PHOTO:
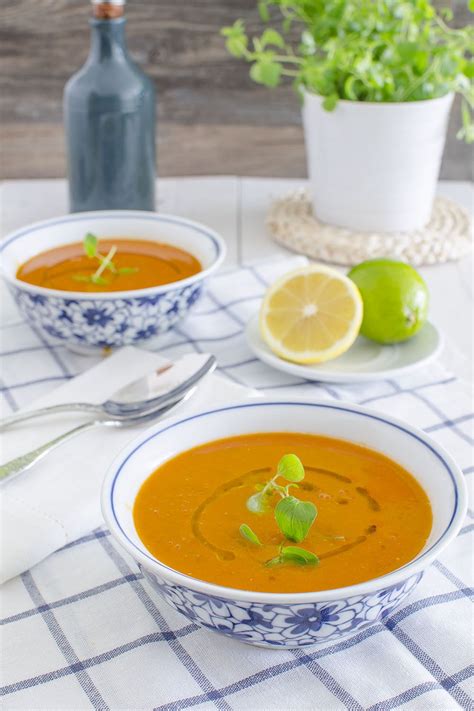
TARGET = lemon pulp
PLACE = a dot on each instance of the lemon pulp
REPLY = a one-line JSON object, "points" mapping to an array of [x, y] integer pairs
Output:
{"points": [[311, 315]]}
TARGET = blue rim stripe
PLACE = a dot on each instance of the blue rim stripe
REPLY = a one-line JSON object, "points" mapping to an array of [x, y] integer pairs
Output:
{"points": [[282, 403], [113, 214]]}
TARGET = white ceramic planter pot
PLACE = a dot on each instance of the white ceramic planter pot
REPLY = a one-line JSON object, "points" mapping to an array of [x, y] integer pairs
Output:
{"points": [[374, 167]]}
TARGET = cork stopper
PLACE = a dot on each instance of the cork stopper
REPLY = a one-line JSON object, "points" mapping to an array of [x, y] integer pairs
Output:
{"points": [[107, 9]]}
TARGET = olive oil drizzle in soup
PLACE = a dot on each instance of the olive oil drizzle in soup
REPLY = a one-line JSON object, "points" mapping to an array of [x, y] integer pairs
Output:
{"points": [[150, 264], [373, 517]]}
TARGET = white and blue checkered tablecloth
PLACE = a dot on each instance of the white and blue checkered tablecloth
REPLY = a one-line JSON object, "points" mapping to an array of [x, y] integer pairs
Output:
{"points": [[82, 629]]}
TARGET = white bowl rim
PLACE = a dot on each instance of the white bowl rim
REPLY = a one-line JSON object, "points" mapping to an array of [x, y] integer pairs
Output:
{"points": [[216, 239], [413, 567]]}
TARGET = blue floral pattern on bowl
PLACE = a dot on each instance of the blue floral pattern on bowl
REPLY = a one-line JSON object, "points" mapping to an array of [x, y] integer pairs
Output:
{"points": [[106, 323], [283, 625]]}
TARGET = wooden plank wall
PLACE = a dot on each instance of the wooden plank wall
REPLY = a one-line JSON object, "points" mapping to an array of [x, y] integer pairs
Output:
{"points": [[212, 118]]}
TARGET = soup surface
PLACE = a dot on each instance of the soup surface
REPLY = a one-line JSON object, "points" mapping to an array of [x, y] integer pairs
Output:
{"points": [[373, 517], [139, 264]]}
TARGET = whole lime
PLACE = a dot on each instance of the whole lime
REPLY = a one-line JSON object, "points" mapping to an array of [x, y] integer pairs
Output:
{"points": [[395, 299]]}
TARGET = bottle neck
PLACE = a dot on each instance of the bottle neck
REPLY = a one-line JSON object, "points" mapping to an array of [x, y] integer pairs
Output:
{"points": [[108, 40]]}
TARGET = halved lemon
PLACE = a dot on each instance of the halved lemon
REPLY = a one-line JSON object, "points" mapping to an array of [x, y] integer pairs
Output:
{"points": [[311, 315]]}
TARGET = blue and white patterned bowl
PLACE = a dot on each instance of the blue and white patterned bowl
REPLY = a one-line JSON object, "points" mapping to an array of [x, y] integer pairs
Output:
{"points": [[286, 620], [91, 321]]}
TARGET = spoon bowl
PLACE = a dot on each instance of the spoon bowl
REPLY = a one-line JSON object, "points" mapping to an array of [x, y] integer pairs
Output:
{"points": [[144, 411], [146, 394]]}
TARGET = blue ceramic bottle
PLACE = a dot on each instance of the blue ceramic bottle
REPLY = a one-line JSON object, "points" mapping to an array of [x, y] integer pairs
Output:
{"points": [[109, 114]]}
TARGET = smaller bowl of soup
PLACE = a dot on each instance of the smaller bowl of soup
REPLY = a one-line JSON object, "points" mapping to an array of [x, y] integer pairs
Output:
{"points": [[284, 523], [107, 279]]}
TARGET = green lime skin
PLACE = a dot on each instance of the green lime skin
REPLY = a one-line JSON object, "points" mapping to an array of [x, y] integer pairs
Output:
{"points": [[395, 299]]}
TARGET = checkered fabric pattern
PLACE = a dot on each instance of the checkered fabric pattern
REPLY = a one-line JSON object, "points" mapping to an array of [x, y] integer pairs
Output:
{"points": [[84, 630]]}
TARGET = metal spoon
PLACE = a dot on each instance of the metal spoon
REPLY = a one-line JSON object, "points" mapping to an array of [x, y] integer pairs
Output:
{"points": [[132, 399], [25, 461]]}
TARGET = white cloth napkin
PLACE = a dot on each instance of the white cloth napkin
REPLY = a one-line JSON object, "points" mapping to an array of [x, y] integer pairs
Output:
{"points": [[58, 499]]}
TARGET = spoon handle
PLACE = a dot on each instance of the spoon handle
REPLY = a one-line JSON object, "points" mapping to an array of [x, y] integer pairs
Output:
{"points": [[25, 461], [51, 410]]}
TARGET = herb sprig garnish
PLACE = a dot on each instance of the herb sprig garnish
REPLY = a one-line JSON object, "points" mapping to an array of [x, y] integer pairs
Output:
{"points": [[91, 250], [293, 517], [290, 468]]}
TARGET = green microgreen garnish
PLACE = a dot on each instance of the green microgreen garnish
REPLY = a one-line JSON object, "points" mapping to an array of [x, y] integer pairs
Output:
{"points": [[293, 554], [293, 516], [247, 533], [91, 249]]}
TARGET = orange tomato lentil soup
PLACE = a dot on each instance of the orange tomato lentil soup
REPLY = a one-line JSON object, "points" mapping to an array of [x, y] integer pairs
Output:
{"points": [[373, 517], [146, 264]]}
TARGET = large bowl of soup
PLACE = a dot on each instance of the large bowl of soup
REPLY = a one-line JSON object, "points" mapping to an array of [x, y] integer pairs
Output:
{"points": [[155, 269], [388, 501]]}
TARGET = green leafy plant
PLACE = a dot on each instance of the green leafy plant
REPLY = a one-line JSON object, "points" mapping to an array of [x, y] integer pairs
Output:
{"points": [[361, 50], [294, 518], [91, 249]]}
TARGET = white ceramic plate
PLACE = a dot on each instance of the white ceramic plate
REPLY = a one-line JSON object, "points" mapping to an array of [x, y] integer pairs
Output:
{"points": [[364, 361]]}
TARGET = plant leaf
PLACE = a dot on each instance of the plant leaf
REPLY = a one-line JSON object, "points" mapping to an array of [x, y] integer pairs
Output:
{"points": [[258, 503], [236, 39], [468, 68], [236, 46], [111, 267], [127, 270], [307, 40], [272, 37], [81, 277], [293, 554], [263, 11], [247, 533], [295, 517], [274, 561], [407, 50], [446, 13], [267, 72], [287, 23], [330, 102], [90, 245], [99, 280], [291, 468]]}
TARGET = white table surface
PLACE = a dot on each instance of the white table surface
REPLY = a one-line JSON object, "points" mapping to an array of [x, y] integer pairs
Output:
{"points": [[236, 208]]}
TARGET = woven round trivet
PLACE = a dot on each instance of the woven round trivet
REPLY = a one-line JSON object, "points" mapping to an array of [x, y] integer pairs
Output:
{"points": [[446, 237]]}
